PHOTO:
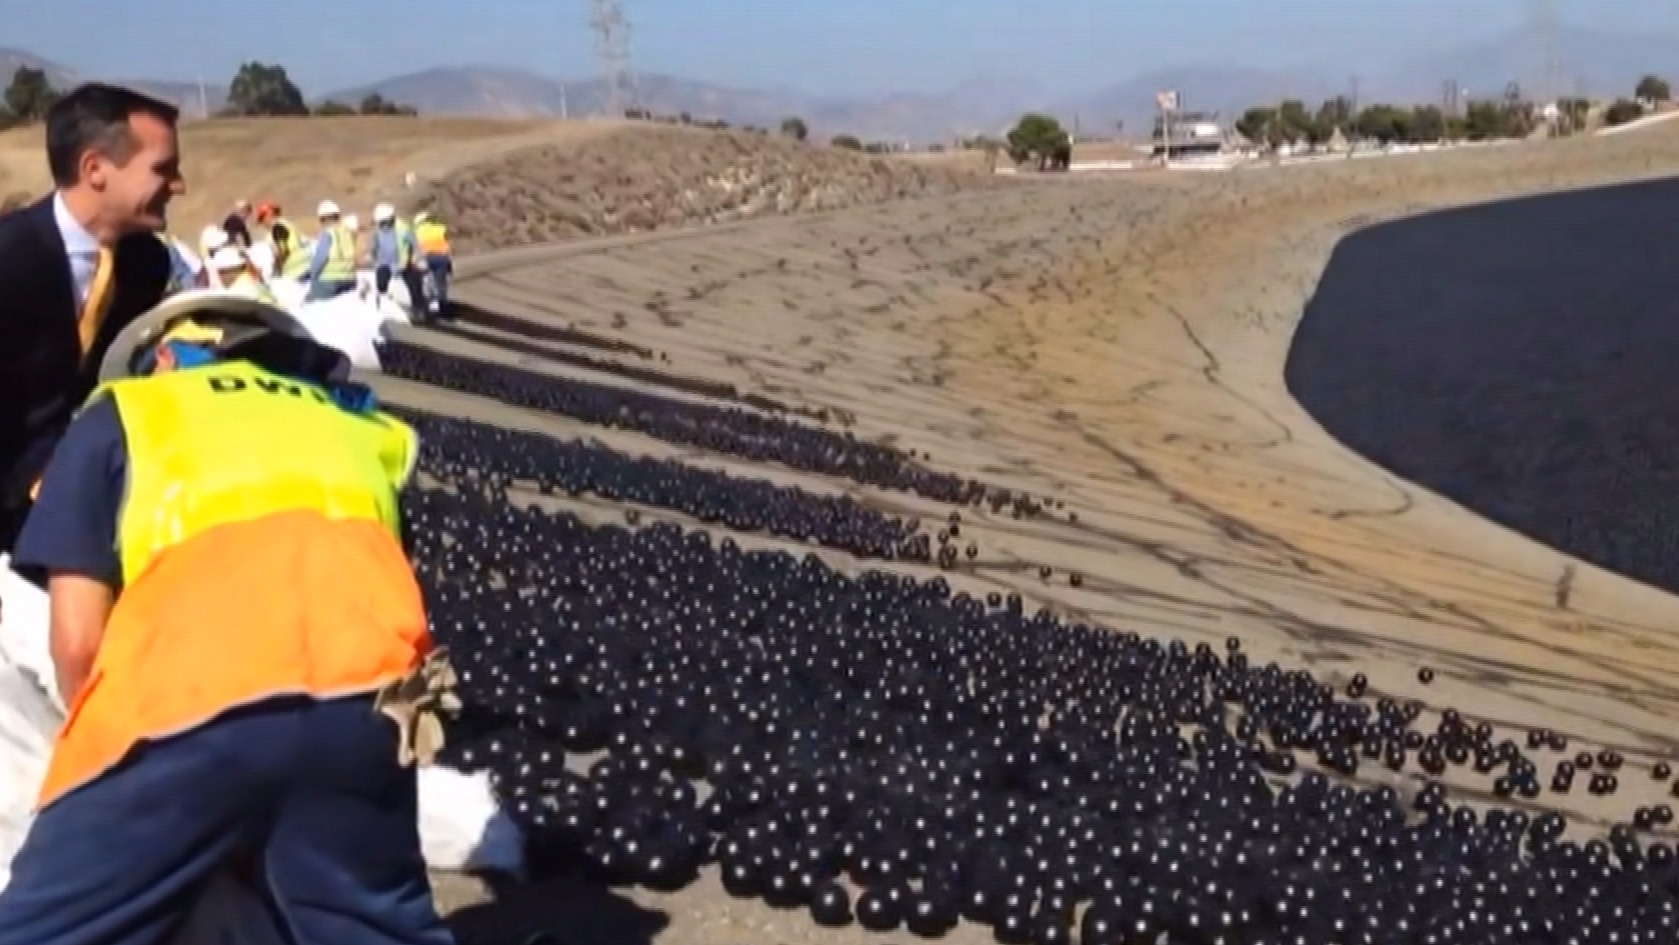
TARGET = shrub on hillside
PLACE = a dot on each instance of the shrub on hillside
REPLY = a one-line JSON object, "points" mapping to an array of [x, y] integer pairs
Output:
{"points": [[1622, 112]]}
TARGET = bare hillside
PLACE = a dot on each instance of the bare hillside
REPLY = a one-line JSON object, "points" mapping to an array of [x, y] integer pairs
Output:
{"points": [[637, 179], [547, 179]]}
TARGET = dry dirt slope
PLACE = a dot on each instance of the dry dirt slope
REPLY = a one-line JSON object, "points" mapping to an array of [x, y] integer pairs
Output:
{"points": [[507, 182], [1118, 345]]}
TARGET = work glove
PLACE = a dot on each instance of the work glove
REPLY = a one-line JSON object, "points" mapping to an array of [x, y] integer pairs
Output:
{"points": [[417, 703]]}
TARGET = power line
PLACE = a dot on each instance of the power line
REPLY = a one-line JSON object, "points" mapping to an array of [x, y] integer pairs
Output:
{"points": [[612, 47]]}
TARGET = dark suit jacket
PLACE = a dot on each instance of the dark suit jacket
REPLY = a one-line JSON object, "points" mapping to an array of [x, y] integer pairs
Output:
{"points": [[43, 377]]}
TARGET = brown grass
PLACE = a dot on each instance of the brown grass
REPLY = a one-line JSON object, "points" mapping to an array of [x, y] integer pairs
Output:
{"points": [[356, 161], [299, 161]]}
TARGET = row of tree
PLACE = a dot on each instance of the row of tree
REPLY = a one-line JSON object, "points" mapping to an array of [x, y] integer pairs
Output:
{"points": [[1292, 123], [262, 89], [794, 127], [258, 89]]}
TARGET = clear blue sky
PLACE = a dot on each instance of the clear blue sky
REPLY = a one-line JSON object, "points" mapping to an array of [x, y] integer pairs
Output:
{"points": [[829, 47]]}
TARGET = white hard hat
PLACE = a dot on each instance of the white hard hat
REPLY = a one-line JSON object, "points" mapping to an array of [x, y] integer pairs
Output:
{"points": [[213, 238], [421, 217], [384, 213], [227, 257], [326, 208], [352, 222]]}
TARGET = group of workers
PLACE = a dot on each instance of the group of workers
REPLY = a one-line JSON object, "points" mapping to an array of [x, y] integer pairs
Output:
{"points": [[417, 252], [211, 505]]}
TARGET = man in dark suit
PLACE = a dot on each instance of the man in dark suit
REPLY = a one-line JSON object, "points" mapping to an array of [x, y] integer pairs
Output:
{"points": [[76, 267]]}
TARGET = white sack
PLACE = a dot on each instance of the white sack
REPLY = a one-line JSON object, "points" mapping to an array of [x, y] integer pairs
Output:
{"points": [[347, 323], [228, 910], [29, 720], [461, 826], [23, 633], [27, 724], [352, 322], [261, 254]]}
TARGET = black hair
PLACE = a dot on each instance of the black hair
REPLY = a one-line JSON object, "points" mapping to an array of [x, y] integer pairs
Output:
{"points": [[95, 115]]}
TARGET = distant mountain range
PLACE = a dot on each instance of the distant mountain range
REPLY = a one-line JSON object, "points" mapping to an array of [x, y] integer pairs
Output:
{"points": [[185, 95], [982, 106], [1595, 63]]}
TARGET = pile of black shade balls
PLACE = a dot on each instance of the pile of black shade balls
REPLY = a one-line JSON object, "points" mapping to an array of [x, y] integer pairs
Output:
{"points": [[455, 448], [731, 430], [878, 750], [523, 331]]}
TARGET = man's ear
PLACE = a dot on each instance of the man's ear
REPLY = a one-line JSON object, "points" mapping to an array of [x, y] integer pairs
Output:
{"points": [[91, 169], [165, 359]]}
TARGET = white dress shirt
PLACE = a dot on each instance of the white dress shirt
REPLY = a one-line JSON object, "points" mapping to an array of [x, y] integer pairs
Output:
{"points": [[79, 246]]}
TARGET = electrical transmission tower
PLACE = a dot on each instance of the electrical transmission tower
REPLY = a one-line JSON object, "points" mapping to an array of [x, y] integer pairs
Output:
{"points": [[1547, 75], [612, 47]]}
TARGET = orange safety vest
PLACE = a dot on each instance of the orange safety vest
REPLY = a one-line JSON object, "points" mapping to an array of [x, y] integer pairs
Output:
{"points": [[260, 550], [433, 238]]}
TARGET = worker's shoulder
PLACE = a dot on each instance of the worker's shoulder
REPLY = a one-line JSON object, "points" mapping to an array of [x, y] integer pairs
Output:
{"points": [[112, 389], [96, 430]]}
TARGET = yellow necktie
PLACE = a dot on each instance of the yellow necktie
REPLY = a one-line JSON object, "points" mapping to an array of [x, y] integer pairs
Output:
{"points": [[97, 301]]}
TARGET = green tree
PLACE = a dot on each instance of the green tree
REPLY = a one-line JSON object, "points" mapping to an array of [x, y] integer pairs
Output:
{"points": [[1653, 88], [794, 128], [1259, 125], [330, 109], [262, 89], [1622, 112], [1296, 122], [1334, 114], [1485, 121], [1387, 124], [30, 95], [1428, 124], [1037, 137], [848, 142], [1572, 114], [376, 104]]}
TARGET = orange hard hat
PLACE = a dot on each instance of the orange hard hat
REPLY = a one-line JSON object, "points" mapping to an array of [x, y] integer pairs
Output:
{"points": [[265, 211]]}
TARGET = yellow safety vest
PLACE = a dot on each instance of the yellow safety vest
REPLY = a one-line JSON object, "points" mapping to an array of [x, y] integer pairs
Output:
{"points": [[341, 258], [296, 264], [202, 452], [433, 238], [404, 243], [252, 569]]}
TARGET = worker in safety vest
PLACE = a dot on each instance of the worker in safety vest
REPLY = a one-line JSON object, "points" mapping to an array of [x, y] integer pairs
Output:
{"points": [[332, 271], [290, 250], [432, 235], [235, 271], [239, 637], [395, 253]]}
